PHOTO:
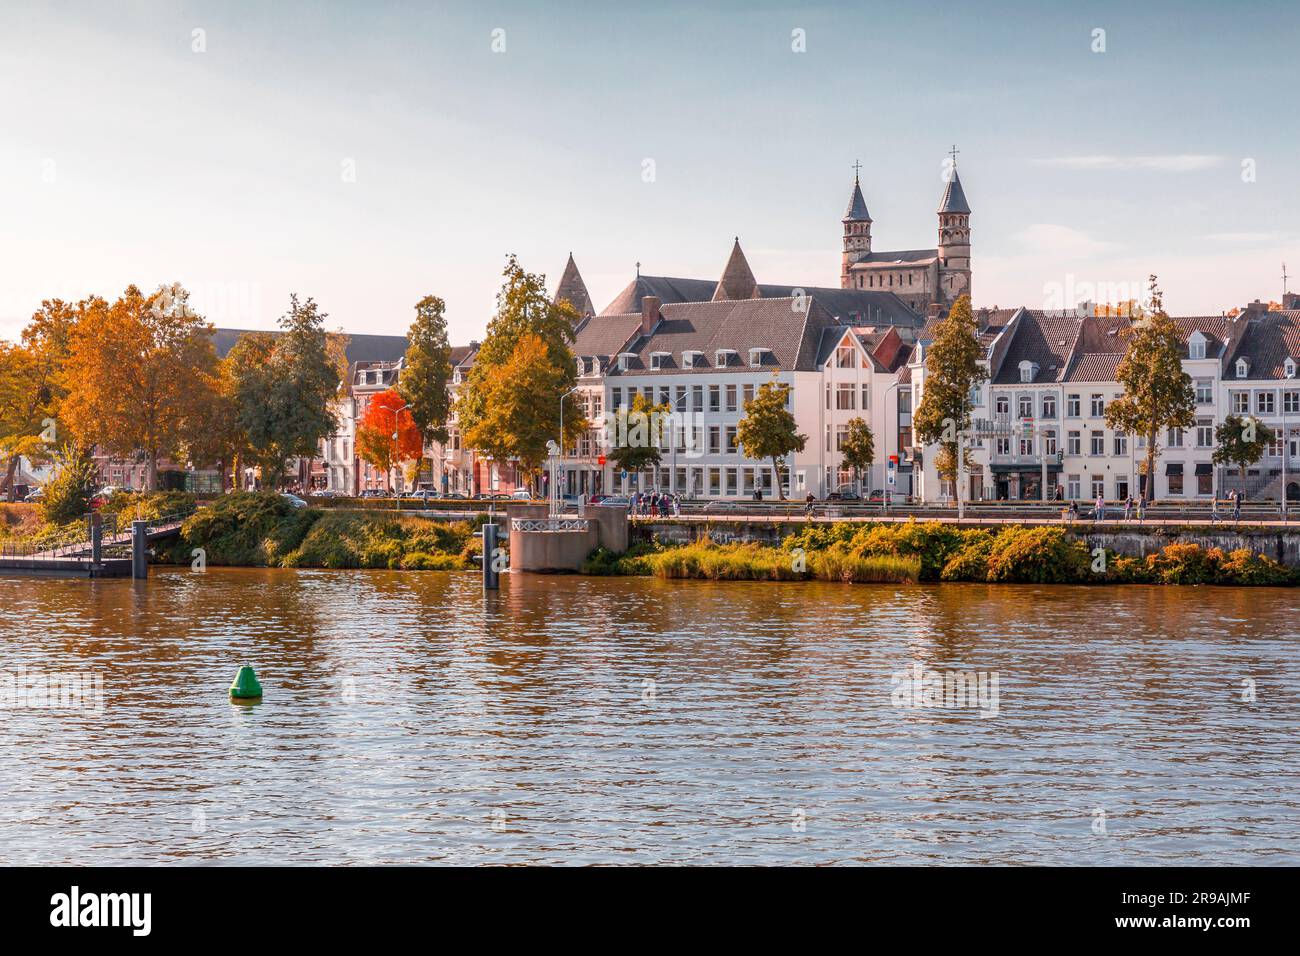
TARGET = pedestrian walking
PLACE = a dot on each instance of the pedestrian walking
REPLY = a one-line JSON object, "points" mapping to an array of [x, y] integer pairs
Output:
{"points": [[1128, 507], [1214, 510], [1099, 509], [1236, 506]]}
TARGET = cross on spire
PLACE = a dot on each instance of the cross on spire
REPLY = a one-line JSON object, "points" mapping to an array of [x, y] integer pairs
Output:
{"points": [[953, 153], [1284, 278], [856, 166]]}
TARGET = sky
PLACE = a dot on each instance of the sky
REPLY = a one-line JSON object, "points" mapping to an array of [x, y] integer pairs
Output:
{"points": [[367, 154]]}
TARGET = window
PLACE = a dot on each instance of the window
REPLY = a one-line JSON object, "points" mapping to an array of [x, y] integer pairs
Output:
{"points": [[1002, 405], [616, 401], [1175, 438], [1265, 402], [715, 440], [845, 396], [1204, 391], [1002, 446], [1072, 487], [866, 397], [1291, 402], [828, 396], [1175, 483], [904, 401], [715, 398], [1098, 486], [1073, 444], [976, 396], [1049, 406], [1098, 446], [729, 439], [846, 356], [697, 398], [1121, 443], [1049, 442], [1196, 346], [1204, 483], [1205, 433], [1027, 371], [748, 394], [756, 357], [1072, 406], [1275, 447], [841, 436], [1242, 368], [731, 398], [1098, 406], [1288, 368], [1027, 445], [1025, 406], [688, 360], [656, 359], [1240, 403], [1121, 487]]}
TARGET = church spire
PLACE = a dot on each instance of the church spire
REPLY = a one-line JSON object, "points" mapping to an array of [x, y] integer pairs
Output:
{"points": [[954, 197], [857, 211], [737, 280], [573, 290]]}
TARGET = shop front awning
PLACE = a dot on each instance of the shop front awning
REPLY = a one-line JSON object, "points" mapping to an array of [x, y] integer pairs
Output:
{"points": [[1204, 468], [1174, 468], [1002, 468]]}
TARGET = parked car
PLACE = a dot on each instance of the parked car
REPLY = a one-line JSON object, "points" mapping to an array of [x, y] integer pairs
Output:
{"points": [[36, 494], [615, 501], [373, 493], [844, 496], [454, 496], [494, 496], [522, 494], [327, 493], [293, 499], [880, 495], [718, 507]]}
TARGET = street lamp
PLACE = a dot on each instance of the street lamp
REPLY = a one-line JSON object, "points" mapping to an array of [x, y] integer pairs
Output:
{"points": [[396, 413], [556, 491]]}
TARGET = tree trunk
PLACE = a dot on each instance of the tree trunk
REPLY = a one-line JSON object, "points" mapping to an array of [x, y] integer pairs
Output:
{"points": [[151, 475], [8, 483], [1151, 468], [776, 473]]}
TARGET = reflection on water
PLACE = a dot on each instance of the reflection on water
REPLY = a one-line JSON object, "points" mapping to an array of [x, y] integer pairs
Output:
{"points": [[408, 718]]}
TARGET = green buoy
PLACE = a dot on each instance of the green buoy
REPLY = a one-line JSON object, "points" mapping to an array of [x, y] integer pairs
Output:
{"points": [[246, 686]]}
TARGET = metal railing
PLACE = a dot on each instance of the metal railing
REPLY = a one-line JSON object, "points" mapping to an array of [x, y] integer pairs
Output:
{"points": [[529, 525]]}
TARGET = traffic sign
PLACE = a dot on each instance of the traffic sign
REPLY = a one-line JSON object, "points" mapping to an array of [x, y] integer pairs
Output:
{"points": [[601, 461]]}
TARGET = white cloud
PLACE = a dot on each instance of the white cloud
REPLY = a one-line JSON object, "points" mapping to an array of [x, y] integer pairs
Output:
{"points": [[1247, 237], [1171, 163]]}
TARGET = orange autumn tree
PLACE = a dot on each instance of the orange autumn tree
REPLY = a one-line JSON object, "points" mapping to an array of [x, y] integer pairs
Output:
{"points": [[141, 376], [385, 417]]}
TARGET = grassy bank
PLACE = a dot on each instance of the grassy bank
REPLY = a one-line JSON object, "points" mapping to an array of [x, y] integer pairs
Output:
{"points": [[264, 530], [932, 551]]}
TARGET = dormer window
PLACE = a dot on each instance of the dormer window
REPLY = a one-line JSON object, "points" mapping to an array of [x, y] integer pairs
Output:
{"points": [[582, 366], [455, 376], [1027, 371], [722, 357], [1288, 368], [1196, 346], [657, 359], [756, 357], [625, 360], [1243, 368], [689, 359]]}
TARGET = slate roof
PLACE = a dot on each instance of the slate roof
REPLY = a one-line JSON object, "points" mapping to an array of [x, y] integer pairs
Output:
{"points": [[954, 197], [361, 348], [573, 289], [603, 336], [849, 305], [1217, 329], [857, 211], [737, 280], [1045, 338], [1268, 341], [914, 257], [791, 336]]}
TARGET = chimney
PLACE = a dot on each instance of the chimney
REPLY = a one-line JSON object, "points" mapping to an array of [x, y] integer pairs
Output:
{"points": [[649, 313], [935, 309], [1255, 308]]}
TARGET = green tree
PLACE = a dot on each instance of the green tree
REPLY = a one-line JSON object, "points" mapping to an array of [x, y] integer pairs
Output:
{"points": [[953, 367], [768, 428], [638, 432], [67, 494], [1158, 394], [285, 388], [859, 448], [427, 370], [489, 407], [1241, 441]]}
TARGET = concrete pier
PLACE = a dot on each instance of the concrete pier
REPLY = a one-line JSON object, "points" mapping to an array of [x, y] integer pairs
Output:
{"points": [[540, 543]]}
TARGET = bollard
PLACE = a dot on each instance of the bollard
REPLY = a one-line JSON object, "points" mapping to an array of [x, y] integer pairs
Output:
{"points": [[491, 579], [96, 539], [139, 549]]}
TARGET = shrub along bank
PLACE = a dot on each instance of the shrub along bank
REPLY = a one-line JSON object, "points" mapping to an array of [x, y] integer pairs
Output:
{"points": [[932, 551], [259, 529]]}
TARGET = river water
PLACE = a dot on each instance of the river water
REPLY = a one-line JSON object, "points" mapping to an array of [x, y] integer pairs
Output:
{"points": [[408, 719]]}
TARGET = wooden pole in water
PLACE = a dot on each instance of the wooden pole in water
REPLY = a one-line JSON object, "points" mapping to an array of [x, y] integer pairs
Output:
{"points": [[139, 546]]}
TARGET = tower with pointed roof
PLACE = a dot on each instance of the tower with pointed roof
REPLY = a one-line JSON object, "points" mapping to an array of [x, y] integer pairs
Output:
{"points": [[737, 280], [573, 290], [954, 239], [857, 231]]}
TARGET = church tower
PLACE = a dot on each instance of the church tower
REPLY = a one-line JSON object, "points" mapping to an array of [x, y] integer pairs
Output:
{"points": [[857, 231], [573, 290], [954, 240]]}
